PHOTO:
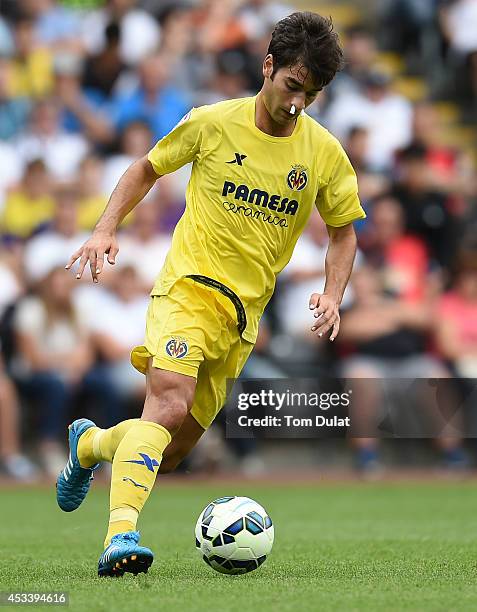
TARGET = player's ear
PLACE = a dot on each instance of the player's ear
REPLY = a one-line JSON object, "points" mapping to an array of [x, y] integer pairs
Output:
{"points": [[268, 66]]}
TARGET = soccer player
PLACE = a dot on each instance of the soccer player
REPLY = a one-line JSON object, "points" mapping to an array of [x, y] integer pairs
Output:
{"points": [[260, 166]]}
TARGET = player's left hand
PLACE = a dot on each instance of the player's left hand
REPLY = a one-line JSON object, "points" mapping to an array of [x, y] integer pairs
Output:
{"points": [[327, 316]]}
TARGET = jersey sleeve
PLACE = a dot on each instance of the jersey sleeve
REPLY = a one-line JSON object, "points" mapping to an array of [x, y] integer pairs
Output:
{"points": [[184, 143], [337, 201]]}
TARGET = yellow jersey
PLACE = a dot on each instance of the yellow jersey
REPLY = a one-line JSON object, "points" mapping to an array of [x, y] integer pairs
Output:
{"points": [[248, 200]]}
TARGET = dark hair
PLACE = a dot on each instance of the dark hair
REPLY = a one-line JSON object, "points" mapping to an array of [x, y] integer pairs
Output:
{"points": [[309, 39]]}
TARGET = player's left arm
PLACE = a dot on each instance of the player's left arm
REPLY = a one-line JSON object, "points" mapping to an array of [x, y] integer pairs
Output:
{"points": [[338, 265]]}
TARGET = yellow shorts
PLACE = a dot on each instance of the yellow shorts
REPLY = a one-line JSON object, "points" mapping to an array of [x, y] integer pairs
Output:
{"points": [[190, 332]]}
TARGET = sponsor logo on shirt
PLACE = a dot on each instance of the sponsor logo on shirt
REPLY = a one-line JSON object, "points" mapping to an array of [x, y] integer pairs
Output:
{"points": [[297, 178], [177, 348], [260, 197]]}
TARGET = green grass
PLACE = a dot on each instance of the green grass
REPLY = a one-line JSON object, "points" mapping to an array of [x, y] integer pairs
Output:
{"points": [[344, 547]]}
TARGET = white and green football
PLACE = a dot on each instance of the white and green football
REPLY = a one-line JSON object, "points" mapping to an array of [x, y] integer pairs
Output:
{"points": [[234, 535]]}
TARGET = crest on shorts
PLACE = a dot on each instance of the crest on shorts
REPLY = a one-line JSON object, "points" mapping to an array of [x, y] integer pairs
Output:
{"points": [[297, 178], [177, 348]]}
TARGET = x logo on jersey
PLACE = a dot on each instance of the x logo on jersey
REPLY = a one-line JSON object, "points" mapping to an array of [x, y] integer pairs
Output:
{"points": [[146, 460], [238, 159]]}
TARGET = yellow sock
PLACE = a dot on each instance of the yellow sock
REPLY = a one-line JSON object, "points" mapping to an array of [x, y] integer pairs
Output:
{"points": [[100, 444], [135, 466]]}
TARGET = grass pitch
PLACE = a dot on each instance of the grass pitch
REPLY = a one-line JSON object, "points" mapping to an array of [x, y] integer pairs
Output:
{"points": [[337, 547]]}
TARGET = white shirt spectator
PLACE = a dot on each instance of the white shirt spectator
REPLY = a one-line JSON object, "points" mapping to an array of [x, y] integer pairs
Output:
{"points": [[48, 251], [462, 16], [140, 34], [61, 152], [114, 167], [146, 257], [388, 122]]}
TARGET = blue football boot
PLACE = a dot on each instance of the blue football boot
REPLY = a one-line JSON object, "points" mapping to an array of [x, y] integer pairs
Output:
{"points": [[125, 555], [74, 481]]}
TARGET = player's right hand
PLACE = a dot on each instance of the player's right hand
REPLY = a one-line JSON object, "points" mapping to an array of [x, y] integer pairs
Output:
{"points": [[93, 251]]}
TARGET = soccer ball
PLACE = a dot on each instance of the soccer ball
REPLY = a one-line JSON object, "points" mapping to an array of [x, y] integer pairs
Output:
{"points": [[234, 535]]}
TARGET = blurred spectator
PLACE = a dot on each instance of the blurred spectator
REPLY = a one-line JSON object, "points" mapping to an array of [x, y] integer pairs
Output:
{"points": [[140, 34], [54, 355], [154, 101], [144, 246], [56, 26], [116, 325], [83, 111], [218, 27], [459, 26], [47, 140], [258, 17], [92, 199], [372, 183], [451, 170], [135, 142], [54, 247], [456, 318], [14, 110], [12, 462], [31, 71], [30, 205], [103, 69], [387, 117], [426, 208], [385, 339], [399, 257], [360, 54]]}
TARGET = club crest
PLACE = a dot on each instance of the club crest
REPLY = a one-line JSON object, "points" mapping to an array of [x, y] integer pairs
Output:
{"points": [[177, 348], [297, 178]]}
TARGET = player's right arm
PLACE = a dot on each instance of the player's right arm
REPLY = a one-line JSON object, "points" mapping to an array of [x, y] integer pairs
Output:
{"points": [[130, 190]]}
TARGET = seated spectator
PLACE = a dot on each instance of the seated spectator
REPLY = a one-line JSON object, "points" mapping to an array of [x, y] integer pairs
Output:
{"points": [[14, 111], [371, 183], [385, 339], [92, 200], [13, 463], [54, 363], [144, 245], [116, 325], [426, 208], [451, 170], [401, 257], [154, 101], [103, 69], [56, 25], [31, 205], [47, 140], [386, 115], [54, 247], [83, 111], [140, 34], [31, 71], [456, 318], [135, 142]]}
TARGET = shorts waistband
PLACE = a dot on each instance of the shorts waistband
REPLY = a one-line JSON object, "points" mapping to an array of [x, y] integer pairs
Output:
{"points": [[231, 295]]}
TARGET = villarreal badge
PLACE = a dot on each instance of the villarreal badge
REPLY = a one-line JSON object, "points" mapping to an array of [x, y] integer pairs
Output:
{"points": [[297, 178], [177, 348]]}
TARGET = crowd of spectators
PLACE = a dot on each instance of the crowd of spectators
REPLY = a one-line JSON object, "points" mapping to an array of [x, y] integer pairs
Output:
{"points": [[87, 87]]}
